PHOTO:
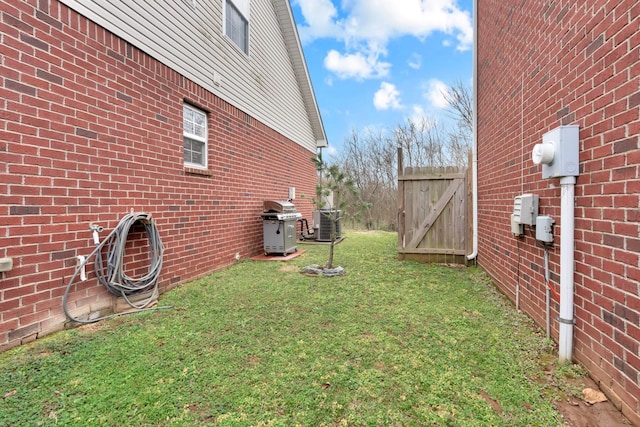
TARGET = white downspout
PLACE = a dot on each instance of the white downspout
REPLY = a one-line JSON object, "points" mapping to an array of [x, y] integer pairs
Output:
{"points": [[474, 150], [567, 216]]}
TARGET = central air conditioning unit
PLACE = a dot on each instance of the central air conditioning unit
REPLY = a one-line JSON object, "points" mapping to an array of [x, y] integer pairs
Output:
{"points": [[322, 224]]}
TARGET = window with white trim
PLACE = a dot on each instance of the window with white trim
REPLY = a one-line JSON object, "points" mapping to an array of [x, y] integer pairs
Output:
{"points": [[195, 137], [236, 25]]}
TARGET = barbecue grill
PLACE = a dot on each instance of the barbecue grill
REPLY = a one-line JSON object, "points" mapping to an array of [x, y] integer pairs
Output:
{"points": [[279, 219]]}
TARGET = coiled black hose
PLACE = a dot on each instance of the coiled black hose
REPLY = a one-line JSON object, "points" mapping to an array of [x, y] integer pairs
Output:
{"points": [[110, 271]]}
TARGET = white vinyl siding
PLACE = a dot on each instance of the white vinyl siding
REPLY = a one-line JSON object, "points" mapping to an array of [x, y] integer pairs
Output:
{"points": [[263, 84]]}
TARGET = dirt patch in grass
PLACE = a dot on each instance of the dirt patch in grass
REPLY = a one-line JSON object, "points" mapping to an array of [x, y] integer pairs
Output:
{"points": [[288, 268], [92, 328], [578, 413]]}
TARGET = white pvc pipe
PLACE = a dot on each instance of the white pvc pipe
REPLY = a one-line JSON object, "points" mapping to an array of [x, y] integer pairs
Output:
{"points": [[81, 261], [474, 152], [567, 216]]}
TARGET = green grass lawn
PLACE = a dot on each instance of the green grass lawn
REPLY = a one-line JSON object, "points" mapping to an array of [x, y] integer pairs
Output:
{"points": [[389, 343]]}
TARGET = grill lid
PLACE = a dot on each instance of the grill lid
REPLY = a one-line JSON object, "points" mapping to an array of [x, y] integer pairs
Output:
{"points": [[280, 206]]}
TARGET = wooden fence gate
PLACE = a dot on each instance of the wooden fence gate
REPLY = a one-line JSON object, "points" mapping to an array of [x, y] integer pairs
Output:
{"points": [[433, 212]]}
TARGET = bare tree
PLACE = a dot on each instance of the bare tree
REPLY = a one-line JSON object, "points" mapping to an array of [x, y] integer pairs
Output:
{"points": [[371, 164], [422, 141], [370, 156], [460, 100]]}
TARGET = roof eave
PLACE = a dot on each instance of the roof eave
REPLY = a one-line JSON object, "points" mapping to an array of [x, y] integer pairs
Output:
{"points": [[296, 55]]}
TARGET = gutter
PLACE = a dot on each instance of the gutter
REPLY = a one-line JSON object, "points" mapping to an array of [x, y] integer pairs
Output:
{"points": [[474, 153]]}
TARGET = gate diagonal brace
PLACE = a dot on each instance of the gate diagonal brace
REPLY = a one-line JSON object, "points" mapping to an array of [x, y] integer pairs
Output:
{"points": [[435, 213]]}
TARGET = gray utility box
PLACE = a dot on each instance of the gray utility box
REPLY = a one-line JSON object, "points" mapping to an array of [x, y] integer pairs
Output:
{"points": [[559, 152], [525, 209]]}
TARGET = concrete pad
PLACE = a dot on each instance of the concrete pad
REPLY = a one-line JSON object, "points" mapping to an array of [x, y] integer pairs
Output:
{"points": [[277, 257], [315, 242]]}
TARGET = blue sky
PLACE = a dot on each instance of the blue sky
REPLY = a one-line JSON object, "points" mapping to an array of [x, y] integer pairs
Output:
{"points": [[377, 63]]}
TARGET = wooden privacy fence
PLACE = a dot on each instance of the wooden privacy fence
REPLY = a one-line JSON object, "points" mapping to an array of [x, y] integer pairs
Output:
{"points": [[433, 212]]}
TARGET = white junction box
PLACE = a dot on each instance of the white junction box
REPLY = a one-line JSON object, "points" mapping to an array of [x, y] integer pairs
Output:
{"points": [[517, 229], [525, 209], [6, 264], [544, 229]]}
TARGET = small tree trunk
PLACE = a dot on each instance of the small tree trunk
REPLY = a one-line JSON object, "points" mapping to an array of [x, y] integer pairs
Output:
{"points": [[332, 238], [330, 261]]}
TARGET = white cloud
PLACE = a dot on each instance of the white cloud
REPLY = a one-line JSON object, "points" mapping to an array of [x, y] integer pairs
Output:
{"points": [[366, 26], [320, 16], [359, 65], [415, 61], [418, 114], [329, 81], [421, 118], [435, 93], [387, 97], [381, 20], [330, 151]]}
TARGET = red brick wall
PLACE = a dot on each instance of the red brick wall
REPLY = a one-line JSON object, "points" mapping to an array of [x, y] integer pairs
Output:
{"points": [[542, 64], [91, 130]]}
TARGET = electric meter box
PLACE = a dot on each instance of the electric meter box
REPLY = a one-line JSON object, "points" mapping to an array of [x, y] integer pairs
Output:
{"points": [[558, 152], [525, 209]]}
